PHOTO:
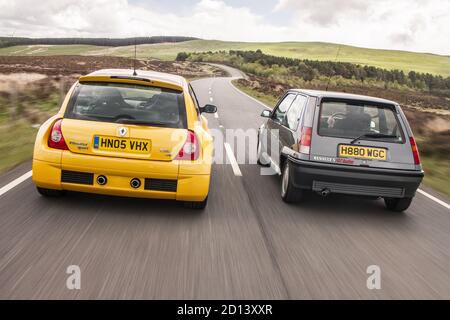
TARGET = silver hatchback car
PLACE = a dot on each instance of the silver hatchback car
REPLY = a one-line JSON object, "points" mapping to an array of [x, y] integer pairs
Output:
{"points": [[331, 142]]}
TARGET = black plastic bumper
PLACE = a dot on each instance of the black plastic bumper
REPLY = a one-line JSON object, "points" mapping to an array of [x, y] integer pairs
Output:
{"points": [[354, 180]]}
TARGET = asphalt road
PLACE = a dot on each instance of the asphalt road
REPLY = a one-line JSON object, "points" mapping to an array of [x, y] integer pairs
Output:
{"points": [[247, 244]]}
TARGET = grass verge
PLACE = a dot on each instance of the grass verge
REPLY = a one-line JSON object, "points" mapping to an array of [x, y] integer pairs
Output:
{"points": [[437, 173], [16, 145], [267, 99]]}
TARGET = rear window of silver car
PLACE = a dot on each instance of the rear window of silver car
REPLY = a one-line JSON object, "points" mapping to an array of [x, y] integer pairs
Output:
{"points": [[128, 103], [347, 119]]}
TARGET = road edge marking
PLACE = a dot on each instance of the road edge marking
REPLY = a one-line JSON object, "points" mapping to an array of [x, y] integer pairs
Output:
{"points": [[234, 165], [15, 182], [248, 96], [442, 203]]}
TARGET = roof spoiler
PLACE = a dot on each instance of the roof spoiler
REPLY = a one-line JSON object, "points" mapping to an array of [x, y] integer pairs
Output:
{"points": [[131, 80]]}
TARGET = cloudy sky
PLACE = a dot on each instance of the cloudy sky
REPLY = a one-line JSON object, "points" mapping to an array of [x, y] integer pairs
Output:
{"points": [[415, 25]]}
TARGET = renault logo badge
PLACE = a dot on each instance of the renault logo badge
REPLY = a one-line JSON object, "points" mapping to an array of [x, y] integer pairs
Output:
{"points": [[122, 131]]}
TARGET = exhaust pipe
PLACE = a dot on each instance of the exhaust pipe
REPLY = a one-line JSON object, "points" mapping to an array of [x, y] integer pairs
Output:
{"points": [[135, 183], [325, 192], [102, 180]]}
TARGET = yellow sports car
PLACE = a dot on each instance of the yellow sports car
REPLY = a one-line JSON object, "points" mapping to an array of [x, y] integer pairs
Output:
{"points": [[127, 134]]}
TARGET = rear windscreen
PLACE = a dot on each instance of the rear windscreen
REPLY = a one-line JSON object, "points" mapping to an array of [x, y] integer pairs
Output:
{"points": [[352, 120], [128, 103]]}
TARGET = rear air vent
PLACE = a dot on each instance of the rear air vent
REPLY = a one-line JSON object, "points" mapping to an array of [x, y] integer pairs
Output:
{"points": [[77, 177], [161, 185]]}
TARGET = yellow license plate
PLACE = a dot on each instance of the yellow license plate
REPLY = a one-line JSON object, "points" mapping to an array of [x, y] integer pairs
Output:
{"points": [[105, 143], [359, 152]]}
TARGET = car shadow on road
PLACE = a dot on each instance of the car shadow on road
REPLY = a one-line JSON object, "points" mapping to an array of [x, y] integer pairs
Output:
{"points": [[114, 205], [339, 206]]}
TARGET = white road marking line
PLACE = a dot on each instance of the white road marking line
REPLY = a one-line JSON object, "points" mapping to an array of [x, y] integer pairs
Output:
{"points": [[275, 167], [234, 164], [220, 126], [15, 182], [216, 115], [442, 203], [250, 97], [211, 99]]}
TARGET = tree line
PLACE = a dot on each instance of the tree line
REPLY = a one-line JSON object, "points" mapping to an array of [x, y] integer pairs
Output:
{"points": [[109, 42], [312, 69]]}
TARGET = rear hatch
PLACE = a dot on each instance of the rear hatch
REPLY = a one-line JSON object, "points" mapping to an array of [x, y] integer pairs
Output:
{"points": [[361, 133], [126, 121]]}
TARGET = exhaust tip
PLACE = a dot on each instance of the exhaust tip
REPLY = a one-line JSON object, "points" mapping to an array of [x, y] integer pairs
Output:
{"points": [[102, 180], [135, 183], [325, 192]]}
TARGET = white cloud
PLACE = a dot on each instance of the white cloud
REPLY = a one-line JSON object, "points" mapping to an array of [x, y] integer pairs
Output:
{"points": [[324, 12], [415, 25], [117, 18], [401, 24]]}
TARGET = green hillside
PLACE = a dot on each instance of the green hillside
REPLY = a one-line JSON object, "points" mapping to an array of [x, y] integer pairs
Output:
{"points": [[389, 59]]}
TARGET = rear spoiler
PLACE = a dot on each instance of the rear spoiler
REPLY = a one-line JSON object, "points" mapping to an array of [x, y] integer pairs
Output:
{"points": [[131, 80]]}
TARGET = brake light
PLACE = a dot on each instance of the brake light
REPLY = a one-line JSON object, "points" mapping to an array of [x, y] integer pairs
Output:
{"points": [[56, 138], [190, 149], [305, 140], [415, 151]]}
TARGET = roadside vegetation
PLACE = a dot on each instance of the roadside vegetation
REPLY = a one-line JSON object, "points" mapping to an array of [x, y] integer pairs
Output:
{"points": [[22, 109], [316, 73]]}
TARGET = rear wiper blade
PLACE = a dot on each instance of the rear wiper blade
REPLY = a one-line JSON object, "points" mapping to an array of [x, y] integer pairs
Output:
{"points": [[373, 135]]}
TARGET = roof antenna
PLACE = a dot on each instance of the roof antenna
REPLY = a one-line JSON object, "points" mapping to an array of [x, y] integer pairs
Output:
{"points": [[335, 60], [134, 62]]}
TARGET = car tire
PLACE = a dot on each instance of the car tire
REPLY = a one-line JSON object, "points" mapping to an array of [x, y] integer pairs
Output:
{"points": [[397, 204], [50, 192], [259, 154], [197, 205], [289, 193]]}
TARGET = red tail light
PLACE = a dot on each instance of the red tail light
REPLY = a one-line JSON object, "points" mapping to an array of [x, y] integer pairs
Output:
{"points": [[305, 140], [190, 149], [56, 138], [415, 151]]}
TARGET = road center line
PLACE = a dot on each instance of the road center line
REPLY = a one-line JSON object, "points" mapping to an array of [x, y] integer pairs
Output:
{"points": [[231, 157], [216, 115], [442, 203], [211, 99], [15, 182]]}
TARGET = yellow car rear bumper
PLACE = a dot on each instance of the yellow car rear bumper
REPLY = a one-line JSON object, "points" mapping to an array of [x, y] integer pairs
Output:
{"points": [[189, 187]]}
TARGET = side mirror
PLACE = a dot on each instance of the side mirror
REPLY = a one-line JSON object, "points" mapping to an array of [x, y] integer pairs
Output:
{"points": [[209, 108], [266, 114]]}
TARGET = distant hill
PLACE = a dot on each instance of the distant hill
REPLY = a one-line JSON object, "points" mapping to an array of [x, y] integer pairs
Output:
{"points": [[166, 48], [105, 42]]}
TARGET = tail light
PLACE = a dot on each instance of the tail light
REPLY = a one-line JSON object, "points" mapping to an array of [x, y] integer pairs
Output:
{"points": [[190, 149], [415, 151], [56, 138], [305, 140]]}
